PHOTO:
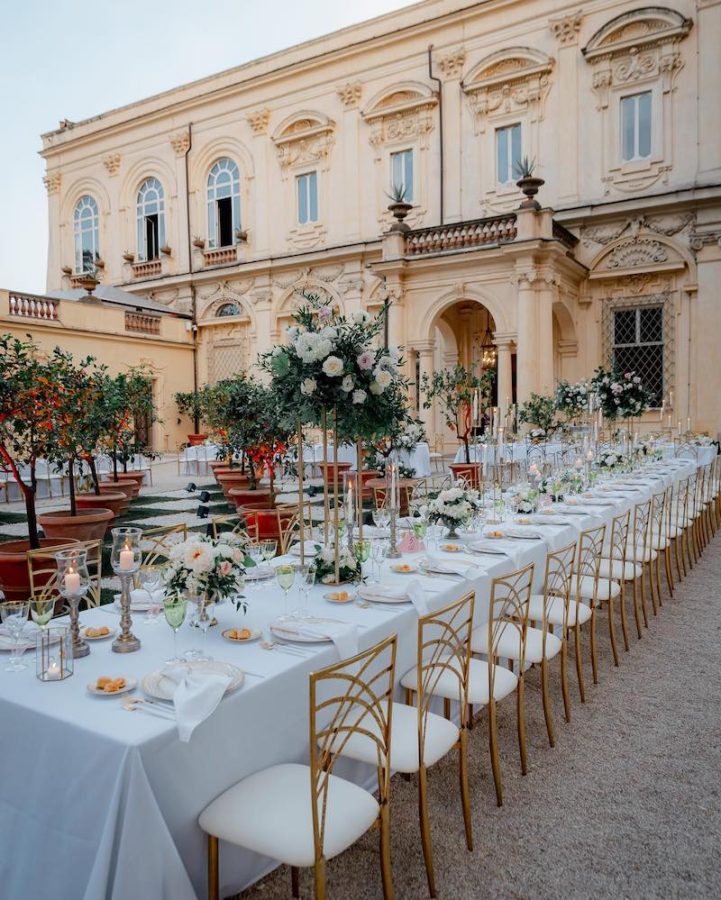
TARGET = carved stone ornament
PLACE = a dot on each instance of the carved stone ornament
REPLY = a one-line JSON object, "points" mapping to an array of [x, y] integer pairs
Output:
{"points": [[308, 138], [258, 121], [112, 163], [350, 94], [514, 80], [52, 182], [668, 225], [566, 30], [180, 143], [402, 114], [452, 64], [640, 251]]}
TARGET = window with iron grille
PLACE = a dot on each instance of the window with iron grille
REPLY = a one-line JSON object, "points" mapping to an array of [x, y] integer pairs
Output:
{"points": [[637, 340]]}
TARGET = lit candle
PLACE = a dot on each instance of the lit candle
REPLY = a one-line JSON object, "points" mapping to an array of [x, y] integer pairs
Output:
{"points": [[72, 582], [590, 404], [394, 486], [670, 399], [349, 506], [579, 463], [53, 671], [688, 424], [679, 427], [475, 407], [126, 560], [668, 422]]}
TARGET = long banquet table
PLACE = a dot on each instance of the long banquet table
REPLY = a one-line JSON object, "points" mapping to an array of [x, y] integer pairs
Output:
{"points": [[96, 802]]}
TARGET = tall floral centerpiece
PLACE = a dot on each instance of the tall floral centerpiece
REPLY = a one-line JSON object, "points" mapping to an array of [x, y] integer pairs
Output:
{"points": [[213, 567], [539, 412], [454, 507], [572, 400], [332, 373], [621, 395]]}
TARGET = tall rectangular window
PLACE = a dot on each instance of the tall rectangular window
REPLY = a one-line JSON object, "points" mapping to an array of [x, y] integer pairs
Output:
{"points": [[307, 186], [508, 153], [402, 173], [638, 342], [636, 126]]}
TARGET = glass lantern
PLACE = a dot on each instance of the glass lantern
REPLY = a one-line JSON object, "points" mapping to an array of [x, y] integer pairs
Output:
{"points": [[126, 555], [54, 653], [73, 585]]}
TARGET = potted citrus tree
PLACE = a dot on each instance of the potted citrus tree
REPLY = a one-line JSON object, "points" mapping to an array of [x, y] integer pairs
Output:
{"points": [[190, 404]]}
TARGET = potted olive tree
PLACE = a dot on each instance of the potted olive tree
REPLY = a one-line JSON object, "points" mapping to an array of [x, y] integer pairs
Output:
{"points": [[190, 404]]}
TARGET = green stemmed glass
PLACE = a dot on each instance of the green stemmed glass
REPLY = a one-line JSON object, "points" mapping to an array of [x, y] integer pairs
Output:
{"points": [[41, 610], [285, 576], [175, 607]]}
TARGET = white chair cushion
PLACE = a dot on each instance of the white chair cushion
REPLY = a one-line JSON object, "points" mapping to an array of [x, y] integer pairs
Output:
{"points": [[640, 555], [555, 611], [440, 736], [606, 589], [618, 569], [504, 683], [270, 813], [508, 643]]}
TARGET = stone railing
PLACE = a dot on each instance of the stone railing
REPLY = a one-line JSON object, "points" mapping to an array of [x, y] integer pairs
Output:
{"points": [[461, 235], [30, 306], [142, 323], [148, 269], [218, 257]]}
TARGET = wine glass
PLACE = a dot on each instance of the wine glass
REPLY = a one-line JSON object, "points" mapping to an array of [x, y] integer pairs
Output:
{"points": [[285, 576], [41, 610], [175, 607], [255, 552], [381, 518], [378, 552], [14, 614], [307, 580], [268, 549], [151, 581], [205, 607]]}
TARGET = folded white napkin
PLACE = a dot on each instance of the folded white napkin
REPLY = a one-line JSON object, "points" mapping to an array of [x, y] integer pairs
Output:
{"points": [[310, 547], [344, 637], [438, 564], [519, 531], [411, 590], [196, 696], [549, 519], [139, 596]]}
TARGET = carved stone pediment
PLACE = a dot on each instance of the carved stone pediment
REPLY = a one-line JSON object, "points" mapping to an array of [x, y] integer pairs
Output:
{"points": [[638, 29], [401, 113], [515, 79], [305, 138], [637, 253]]}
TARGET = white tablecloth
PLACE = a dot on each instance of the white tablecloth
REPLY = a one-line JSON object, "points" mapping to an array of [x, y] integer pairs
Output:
{"points": [[194, 460], [98, 803]]}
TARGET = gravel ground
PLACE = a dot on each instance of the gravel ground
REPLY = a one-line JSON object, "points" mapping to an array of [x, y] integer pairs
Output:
{"points": [[625, 806]]}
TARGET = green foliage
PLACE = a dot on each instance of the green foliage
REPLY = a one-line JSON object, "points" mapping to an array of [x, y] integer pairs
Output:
{"points": [[190, 404], [525, 168], [456, 390], [539, 411]]}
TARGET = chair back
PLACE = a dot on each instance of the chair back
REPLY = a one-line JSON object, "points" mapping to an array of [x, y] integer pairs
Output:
{"points": [[380, 497], [233, 521], [619, 536], [685, 450], [444, 651], [658, 515], [510, 599], [681, 504], [43, 572], [640, 535], [156, 543], [588, 562], [557, 584], [350, 698], [289, 522]]}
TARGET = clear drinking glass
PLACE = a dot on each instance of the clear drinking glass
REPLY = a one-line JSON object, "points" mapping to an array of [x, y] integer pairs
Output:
{"points": [[255, 552], [305, 583], [378, 553], [205, 607], [269, 549], [152, 581], [41, 610], [285, 575], [14, 614], [175, 607]]}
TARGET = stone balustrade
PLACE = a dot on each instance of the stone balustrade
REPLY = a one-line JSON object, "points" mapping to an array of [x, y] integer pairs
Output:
{"points": [[461, 235], [30, 306], [142, 323]]}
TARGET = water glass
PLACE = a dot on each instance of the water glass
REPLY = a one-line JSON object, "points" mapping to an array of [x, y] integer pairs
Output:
{"points": [[204, 609], [307, 580], [285, 576], [175, 607], [152, 581], [14, 614], [269, 549]]}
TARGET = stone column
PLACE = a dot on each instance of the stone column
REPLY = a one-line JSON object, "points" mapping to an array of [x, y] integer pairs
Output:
{"points": [[426, 351], [546, 292], [53, 182], [259, 239], [503, 344], [526, 340], [451, 67], [566, 30], [350, 95], [178, 241]]}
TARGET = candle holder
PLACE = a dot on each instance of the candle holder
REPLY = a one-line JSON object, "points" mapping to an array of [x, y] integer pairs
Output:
{"points": [[73, 584], [393, 509], [125, 558], [54, 653]]}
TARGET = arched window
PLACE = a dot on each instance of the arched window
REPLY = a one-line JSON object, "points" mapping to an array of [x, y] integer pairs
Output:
{"points": [[151, 219], [227, 309], [86, 228], [223, 203]]}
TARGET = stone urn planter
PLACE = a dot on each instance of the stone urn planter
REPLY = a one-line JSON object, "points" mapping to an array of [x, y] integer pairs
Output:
{"points": [[14, 565], [129, 488], [112, 488], [245, 497], [470, 472], [230, 480], [116, 501], [87, 525], [131, 483], [530, 186]]}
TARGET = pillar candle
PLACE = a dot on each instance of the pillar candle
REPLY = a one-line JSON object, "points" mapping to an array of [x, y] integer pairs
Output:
{"points": [[688, 424], [126, 560], [72, 582]]}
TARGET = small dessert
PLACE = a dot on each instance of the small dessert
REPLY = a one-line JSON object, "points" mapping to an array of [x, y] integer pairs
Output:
{"points": [[102, 631], [110, 685], [495, 534], [523, 520], [238, 634], [339, 596], [451, 548], [403, 568]]}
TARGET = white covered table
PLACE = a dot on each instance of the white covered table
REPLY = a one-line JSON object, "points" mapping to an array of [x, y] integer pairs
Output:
{"points": [[194, 460]]}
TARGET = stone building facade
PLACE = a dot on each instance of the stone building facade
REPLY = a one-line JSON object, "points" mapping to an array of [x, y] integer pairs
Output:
{"points": [[225, 197]]}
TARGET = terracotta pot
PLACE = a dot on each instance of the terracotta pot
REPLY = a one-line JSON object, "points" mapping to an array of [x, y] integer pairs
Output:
{"points": [[246, 497], [266, 519], [129, 488], [328, 471], [87, 525], [111, 488], [230, 480], [113, 500], [195, 439], [470, 472], [118, 485], [14, 565], [366, 476], [216, 464], [138, 477]]}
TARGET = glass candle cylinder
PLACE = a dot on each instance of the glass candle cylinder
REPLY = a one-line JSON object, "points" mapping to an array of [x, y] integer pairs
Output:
{"points": [[54, 653], [126, 555]]}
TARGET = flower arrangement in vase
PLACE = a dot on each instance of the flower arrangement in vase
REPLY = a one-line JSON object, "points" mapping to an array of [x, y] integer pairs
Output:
{"points": [[524, 498], [573, 399], [211, 566], [453, 507], [621, 396], [323, 566], [610, 460]]}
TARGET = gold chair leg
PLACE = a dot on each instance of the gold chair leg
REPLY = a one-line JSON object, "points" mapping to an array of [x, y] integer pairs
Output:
{"points": [[425, 828], [495, 758], [521, 722], [622, 608], [635, 608], [385, 838], [579, 665], [657, 562], [213, 876], [652, 587], [547, 712], [564, 679], [594, 657], [465, 791], [642, 581], [319, 873], [668, 570], [612, 632]]}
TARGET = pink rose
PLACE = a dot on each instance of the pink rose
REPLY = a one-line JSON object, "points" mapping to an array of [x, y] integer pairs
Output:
{"points": [[365, 361], [225, 567]]}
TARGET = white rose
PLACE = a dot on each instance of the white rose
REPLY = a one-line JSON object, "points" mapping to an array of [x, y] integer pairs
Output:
{"points": [[333, 367], [361, 317], [359, 397], [347, 384], [292, 331], [375, 388], [383, 377], [308, 386]]}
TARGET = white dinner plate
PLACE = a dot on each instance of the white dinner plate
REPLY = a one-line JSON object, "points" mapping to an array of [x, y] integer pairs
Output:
{"points": [[366, 593], [27, 640], [102, 637], [158, 685], [129, 686], [255, 633], [311, 548]]}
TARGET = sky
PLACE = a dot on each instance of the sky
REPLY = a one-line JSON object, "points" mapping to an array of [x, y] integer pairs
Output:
{"points": [[74, 59]]}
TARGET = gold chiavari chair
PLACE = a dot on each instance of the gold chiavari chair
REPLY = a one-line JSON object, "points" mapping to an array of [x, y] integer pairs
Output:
{"points": [[637, 553], [306, 815], [584, 598], [703, 513], [43, 572], [289, 522], [551, 609], [156, 543], [657, 544], [616, 568], [231, 522], [489, 681], [680, 521]]}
